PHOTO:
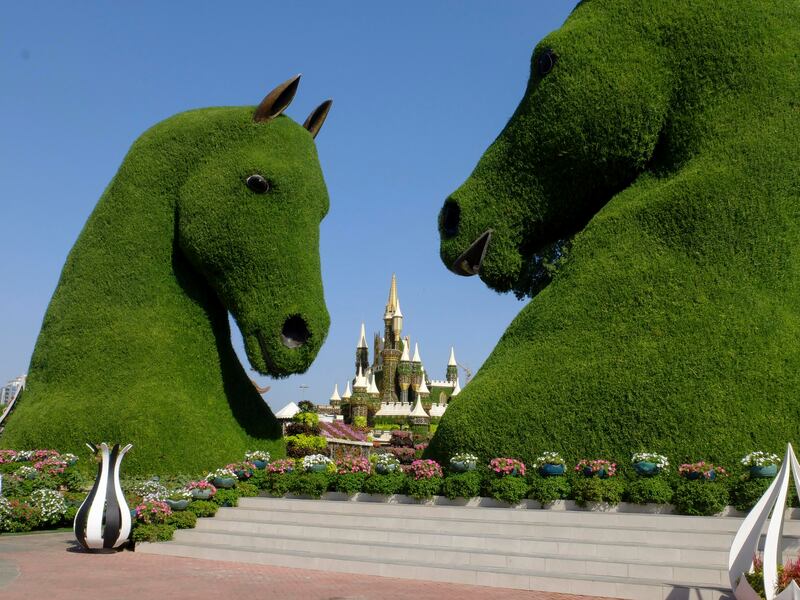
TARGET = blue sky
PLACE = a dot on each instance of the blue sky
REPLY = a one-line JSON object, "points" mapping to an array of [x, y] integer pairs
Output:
{"points": [[420, 89]]}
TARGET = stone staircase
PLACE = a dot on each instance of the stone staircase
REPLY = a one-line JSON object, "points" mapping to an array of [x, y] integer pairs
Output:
{"points": [[614, 554]]}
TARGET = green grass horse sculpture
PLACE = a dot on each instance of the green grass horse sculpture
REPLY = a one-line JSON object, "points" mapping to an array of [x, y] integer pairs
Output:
{"points": [[646, 195], [213, 211]]}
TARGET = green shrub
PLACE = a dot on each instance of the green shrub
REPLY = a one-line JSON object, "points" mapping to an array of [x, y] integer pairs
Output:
{"points": [[547, 490], [649, 490], [747, 491], [152, 533], [69, 515], [302, 444], [509, 489], [22, 516], [279, 484], [700, 497], [72, 479], [182, 519], [462, 485], [202, 508], [350, 483], [392, 483], [595, 489], [310, 484], [225, 497], [311, 419], [423, 489], [260, 479], [247, 489]]}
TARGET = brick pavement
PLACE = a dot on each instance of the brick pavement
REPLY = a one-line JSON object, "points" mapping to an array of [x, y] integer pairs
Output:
{"points": [[52, 567]]}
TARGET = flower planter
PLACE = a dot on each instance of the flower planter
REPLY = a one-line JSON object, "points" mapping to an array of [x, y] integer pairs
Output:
{"points": [[201, 494], [697, 475], [763, 472], [588, 472], [646, 468], [382, 469], [318, 468], [260, 464], [551, 470], [178, 504], [460, 466], [224, 482], [244, 475]]}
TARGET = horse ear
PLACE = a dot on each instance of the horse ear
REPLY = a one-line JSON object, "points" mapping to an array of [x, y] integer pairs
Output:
{"points": [[277, 100], [317, 118]]}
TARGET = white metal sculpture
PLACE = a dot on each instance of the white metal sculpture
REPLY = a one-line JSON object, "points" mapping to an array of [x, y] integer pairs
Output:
{"points": [[103, 522], [745, 544]]}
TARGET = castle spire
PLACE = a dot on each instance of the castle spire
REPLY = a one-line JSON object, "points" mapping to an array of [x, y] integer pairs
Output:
{"points": [[452, 367], [372, 389], [452, 362], [423, 387], [416, 358], [456, 389], [335, 397], [347, 393], [406, 357], [362, 342], [391, 304]]}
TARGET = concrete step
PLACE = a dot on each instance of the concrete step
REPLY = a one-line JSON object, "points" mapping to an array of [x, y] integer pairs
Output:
{"points": [[534, 560], [604, 585]]}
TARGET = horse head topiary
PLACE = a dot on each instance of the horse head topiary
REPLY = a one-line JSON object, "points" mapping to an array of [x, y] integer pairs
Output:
{"points": [[645, 195], [213, 211]]}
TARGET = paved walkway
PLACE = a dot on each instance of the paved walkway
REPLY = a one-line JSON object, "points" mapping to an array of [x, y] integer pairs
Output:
{"points": [[52, 567]]}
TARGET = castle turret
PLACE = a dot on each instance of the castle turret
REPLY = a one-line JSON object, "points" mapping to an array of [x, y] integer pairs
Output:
{"points": [[391, 345], [416, 368], [347, 394], [419, 420], [336, 399], [404, 371], [452, 367], [362, 351], [360, 399]]}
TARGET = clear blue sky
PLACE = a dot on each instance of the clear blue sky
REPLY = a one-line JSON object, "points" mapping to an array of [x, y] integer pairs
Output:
{"points": [[420, 89]]}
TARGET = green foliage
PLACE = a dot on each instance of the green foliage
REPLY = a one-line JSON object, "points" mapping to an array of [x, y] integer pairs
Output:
{"points": [[392, 483], [595, 489], [310, 419], [700, 497], [182, 519], [260, 479], [247, 489], [350, 483], [202, 508], [225, 497], [670, 167], [135, 345], [309, 484], [509, 489], [152, 533], [279, 484], [547, 490], [360, 422], [303, 444], [747, 491], [462, 485], [423, 489], [649, 490], [72, 479]]}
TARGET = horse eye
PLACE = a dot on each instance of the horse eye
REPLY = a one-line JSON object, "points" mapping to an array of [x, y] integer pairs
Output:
{"points": [[546, 61], [257, 184]]}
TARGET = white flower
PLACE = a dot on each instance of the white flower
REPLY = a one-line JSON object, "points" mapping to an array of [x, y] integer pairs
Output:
{"points": [[658, 459], [5, 512], [26, 471], [221, 473], [150, 490], [760, 459], [386, 459], [315, 459], [465, 457], [251, 455], [51, 503], [548, 458]]}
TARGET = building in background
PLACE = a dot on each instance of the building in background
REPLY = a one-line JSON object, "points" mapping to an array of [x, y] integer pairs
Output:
{"points": [[10, 391]]}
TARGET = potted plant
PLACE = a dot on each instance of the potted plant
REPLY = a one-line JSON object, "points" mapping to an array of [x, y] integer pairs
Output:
{"points": [[222, 478], [761, 464], [550, 464], [26, 472], [242, 470], [386, 463], [316, 463], [70, 459], [596, 468], [463, 462], [179, 499], [507, 467], [259, 458], [281, 466], [201, 490], [648, 464], [701, 470]]}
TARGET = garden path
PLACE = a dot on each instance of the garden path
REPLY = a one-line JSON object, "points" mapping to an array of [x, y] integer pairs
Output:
{"points": [[52, 566]]}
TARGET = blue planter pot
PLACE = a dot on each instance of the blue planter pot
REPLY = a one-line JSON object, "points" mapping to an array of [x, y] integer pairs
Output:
{"points": [[320, 468], [224, 482], [384, 469], [260, 464], [178, 504], [602, 473], [551, 470], [764, 472], [244, 474], [200, 494], [646, 468], [695, 476], [460, 466]]}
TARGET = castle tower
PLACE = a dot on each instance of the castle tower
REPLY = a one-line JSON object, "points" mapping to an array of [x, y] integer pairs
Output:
{"points": [[423, 393], [391, 344], [419, 420], [336, 399], [374, 394], [359, 400], [452, 367], [362, 352], [404, 371], [416, 369]]}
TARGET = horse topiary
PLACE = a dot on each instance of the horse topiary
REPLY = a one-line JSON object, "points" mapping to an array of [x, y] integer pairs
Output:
{"points": [[213, 211], [646, 195]]}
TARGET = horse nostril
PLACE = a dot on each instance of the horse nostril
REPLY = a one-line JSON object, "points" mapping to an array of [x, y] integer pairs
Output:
{"points": [[451, 215], [295, 332]]}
